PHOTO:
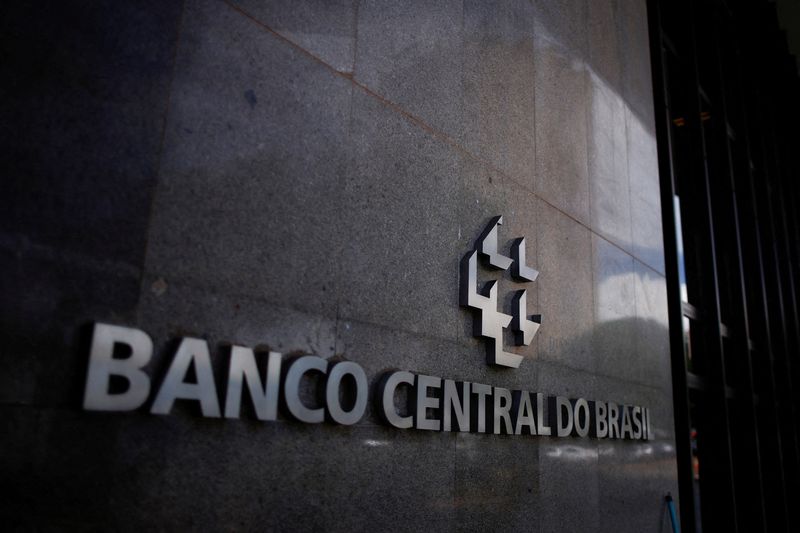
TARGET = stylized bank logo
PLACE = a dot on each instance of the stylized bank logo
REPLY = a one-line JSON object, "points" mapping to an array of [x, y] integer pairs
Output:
{"points": [[489, 322]]}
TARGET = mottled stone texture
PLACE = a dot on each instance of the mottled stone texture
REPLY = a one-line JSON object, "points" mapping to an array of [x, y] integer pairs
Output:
{"points": [[306, 176]]}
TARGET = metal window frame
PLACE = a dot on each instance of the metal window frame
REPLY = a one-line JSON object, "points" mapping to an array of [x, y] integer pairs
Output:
{"points": [[741, 229]]}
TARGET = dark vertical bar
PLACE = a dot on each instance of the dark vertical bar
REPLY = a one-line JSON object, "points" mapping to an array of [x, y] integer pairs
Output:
{"points": [[680, 389], [725, 122], [765, 330], [783, 287], [718, 493]]}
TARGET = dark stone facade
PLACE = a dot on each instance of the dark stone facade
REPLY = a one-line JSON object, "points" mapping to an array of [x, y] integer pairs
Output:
{"points": [[306, 176]]}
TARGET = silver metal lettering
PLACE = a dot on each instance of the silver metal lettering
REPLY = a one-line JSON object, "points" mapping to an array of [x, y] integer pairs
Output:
{"points": [[190, 352], [103, 365], [501, 411], [582, 420], [335, 375], [600, 420], [479, 412], [544, 429], [425, 402], [386, 390], [456, 404], [523, 411], [264, 395], [563, 410], [627, 430], [291, 388], [636, 415], [613, 420]]}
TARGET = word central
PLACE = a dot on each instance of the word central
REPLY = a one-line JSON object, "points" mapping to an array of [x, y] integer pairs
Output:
{"points": [[339, 394]]}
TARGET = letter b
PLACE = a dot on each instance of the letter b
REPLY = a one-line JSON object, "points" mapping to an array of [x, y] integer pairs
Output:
{"points": [[103, 365]]}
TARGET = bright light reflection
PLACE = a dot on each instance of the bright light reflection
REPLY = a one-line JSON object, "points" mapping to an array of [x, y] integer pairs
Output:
{"points": [[571, 453]]}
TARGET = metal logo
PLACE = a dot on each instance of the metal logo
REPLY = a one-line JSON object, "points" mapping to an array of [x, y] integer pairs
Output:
{"points": [[489, 322]]}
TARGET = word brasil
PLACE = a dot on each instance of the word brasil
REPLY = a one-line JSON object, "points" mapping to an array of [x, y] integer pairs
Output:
{"points": [[432, 403]]}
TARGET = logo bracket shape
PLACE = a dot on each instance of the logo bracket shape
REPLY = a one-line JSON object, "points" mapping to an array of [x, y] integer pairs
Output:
{"points": [[489, 322]]}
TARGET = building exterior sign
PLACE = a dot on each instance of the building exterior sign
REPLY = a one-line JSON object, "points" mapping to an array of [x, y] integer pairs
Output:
{"points": [[431, 403], [489, 321]]}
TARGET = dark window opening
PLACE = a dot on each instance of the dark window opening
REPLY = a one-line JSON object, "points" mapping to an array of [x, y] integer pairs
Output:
{"points": [[727, 111]]}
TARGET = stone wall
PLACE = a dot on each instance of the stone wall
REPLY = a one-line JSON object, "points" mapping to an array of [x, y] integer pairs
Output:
{"points": [[306, 176]]}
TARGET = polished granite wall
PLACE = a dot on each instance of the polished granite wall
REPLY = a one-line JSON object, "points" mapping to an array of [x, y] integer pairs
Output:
{"points": [[306, 176]]}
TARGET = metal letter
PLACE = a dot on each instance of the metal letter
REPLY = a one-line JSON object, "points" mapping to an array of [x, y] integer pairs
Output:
{"points": [[265, 396], [291, 388], [425, 402], [627, 430], [600, 419], [190, 351], [335, 375], [502, 406], [479, 408], [519, 269], [561, 406], [644, 423], [582, 417], [103, 365], [386, 390], [455, 403], [544, 429], [636, 414], [523, 412], [613, 420]]}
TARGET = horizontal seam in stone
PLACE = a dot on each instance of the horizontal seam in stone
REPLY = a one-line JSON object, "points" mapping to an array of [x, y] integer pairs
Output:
{"points": [[538, 359], [615, 378], [209, 288], [426, 127]]}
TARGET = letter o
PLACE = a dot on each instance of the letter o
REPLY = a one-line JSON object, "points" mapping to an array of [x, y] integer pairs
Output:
{"points": [[335, 375], [582, 429]]}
